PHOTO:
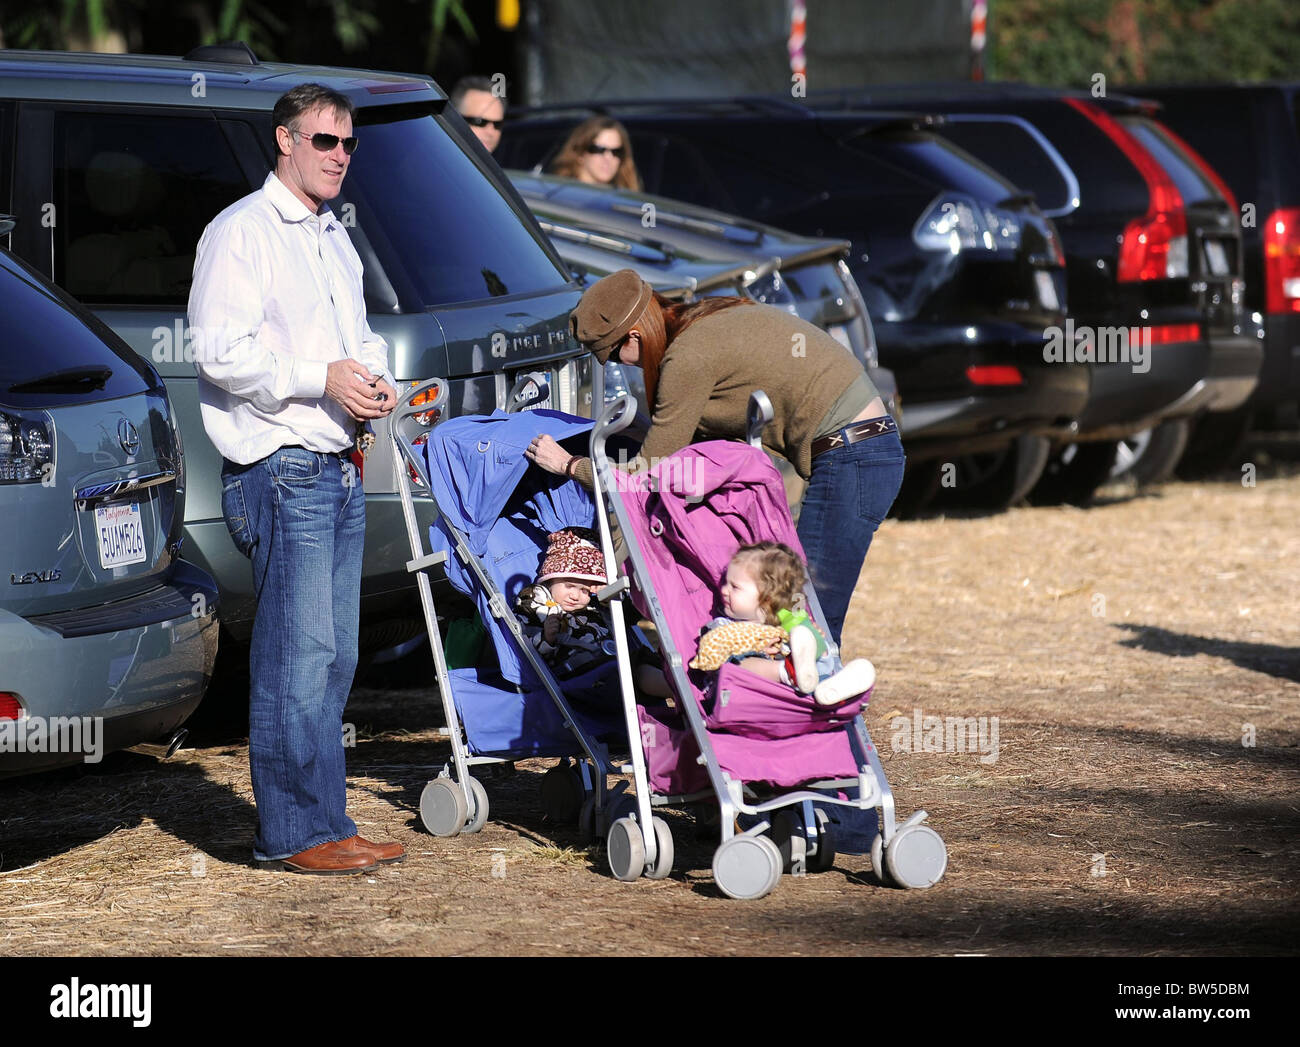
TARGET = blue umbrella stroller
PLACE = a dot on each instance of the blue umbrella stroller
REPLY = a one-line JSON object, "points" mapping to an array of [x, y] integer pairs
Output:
{"points": [[493, 513]]}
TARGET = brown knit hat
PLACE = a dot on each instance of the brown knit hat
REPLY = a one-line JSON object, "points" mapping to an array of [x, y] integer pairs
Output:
{"points": [[608, 310], [571, 554]]}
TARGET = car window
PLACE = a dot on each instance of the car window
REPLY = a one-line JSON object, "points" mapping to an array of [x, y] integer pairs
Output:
{"points": [[1219, 127], [132, 194], [1192, 184], [47, 334], [1009, 148], [432, 214], [939, 160]]}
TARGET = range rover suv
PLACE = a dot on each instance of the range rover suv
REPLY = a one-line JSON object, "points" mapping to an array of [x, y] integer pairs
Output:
{"points": [[118, 162]]}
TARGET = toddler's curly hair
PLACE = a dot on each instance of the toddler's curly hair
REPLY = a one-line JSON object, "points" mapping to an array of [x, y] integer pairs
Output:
{"points": [[779, 574]]}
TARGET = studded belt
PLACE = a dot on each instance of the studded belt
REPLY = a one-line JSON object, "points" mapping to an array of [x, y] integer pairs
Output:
{"points": [[855, 433]]}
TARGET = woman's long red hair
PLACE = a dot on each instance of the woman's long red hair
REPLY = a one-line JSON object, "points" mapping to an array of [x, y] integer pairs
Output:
{"points": [[661, 323]]}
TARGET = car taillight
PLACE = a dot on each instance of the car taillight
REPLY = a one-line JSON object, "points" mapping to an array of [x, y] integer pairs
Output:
{"points": [[10, 707], [26, 447], [1154, 246], [1164, 334], [428, 418], [994, 374], [1282, 261], [956, 223]]}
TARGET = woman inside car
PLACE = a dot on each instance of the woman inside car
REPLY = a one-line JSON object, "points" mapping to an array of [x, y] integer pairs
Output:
{"points": [[598, 152]]}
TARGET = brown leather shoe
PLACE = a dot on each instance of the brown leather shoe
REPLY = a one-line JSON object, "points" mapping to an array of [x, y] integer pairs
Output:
{"points": [[329, 859], [383, 853]]}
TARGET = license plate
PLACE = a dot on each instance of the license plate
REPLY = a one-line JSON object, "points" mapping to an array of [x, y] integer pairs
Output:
{"points": [[120, 533], [1216, 258], [1047, 291]]}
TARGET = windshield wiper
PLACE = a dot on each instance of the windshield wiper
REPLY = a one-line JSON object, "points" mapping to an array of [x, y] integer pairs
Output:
{"points": [[69, 380]]}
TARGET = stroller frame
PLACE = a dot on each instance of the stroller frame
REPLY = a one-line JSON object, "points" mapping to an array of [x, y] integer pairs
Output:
{"points": [[455, 801], [747, 864]]}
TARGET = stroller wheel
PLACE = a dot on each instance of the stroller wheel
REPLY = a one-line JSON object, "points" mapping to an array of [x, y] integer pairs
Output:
{"points": [[878, 862], [916, 857], [562, 794], [747, 867], [625, 849], [787, 834], [443, 808], [824, 859], [663, 850], [479, 804]]}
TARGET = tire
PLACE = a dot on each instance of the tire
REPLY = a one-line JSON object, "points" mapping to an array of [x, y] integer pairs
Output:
{"points": [[1217, 443], [1150, 457], [1074, 473], [223, 713], [997, 479], [920, 485]]}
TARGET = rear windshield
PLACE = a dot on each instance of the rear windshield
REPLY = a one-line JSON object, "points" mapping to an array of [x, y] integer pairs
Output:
{"points": [[432, 215], [47, 334], [1011, 149], [940, 161], [1218, 125], [1192, 184]]}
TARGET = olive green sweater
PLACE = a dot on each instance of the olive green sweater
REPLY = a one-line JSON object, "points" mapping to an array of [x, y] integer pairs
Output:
{"points": [[711, 368]]}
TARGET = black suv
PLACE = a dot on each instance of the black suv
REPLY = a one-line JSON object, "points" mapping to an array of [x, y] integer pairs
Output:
{"points": [[1152, 250], [960, 271], [1250, 135], [116, 163]]}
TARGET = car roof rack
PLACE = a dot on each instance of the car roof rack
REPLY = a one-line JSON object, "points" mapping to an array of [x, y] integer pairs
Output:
{"points": [[229, 52]]}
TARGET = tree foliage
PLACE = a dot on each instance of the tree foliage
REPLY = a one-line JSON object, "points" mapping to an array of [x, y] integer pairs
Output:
{"points": [[1133, 41]]}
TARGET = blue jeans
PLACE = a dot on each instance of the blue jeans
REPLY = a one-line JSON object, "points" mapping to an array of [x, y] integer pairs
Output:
{"points": [[300, 516], [851, 490]]}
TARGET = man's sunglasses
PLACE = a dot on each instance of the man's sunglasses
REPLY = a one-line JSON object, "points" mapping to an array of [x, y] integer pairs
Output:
{"points": [[478, 121], [618, 151], [326, 143]]}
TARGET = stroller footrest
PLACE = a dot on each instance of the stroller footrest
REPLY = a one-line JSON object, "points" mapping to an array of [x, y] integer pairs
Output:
{"points": [[425, 562]]}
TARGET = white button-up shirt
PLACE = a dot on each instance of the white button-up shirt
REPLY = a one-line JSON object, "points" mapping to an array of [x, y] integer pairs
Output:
{"points": [[276, 298]]}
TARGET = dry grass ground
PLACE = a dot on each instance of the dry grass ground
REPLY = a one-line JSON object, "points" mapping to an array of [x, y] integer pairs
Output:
{"points": [[1142, 659]]}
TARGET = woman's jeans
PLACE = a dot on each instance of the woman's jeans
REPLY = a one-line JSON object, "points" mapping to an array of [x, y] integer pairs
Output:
{"points": [[300, 516], [851, 490]]}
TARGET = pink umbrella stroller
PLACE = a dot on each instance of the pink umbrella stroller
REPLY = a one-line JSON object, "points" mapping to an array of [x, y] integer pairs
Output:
{"points": [[759, 749]]}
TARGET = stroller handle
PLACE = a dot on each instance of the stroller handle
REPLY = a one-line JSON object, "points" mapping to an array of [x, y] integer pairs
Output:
{"points": [[614, 418], [419, 410], [760, 414]]}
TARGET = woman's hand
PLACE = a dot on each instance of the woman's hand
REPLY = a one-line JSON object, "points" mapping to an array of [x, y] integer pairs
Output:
{"points": [[548, 454]]}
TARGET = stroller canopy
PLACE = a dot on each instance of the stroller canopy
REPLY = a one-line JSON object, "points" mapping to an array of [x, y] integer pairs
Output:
{"points": [[503, 506]]}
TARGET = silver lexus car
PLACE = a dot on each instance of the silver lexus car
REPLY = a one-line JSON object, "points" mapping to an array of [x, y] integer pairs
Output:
{"points": [[107, 636]]}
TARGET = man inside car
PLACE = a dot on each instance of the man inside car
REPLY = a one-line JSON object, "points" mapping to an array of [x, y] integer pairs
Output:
{"points": [[476, 98]]}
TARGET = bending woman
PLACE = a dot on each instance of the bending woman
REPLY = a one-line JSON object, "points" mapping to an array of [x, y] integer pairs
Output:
{"points": [[701, 360]]}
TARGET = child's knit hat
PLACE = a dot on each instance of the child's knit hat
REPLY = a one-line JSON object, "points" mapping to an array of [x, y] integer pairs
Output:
{"points": [[571, 553]]}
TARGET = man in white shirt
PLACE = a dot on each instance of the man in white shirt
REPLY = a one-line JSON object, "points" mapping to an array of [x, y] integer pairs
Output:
{"points": [[288, 370]]}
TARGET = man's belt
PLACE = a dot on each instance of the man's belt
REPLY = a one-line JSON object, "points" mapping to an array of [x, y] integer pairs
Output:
{"points": [[855, 433]]}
